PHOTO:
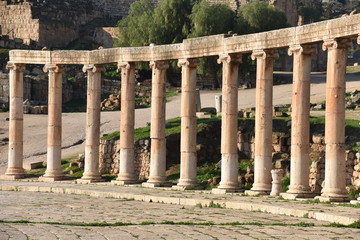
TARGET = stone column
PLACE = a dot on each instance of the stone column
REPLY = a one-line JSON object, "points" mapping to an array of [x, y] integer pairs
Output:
{"points": [[188, 125], [53, 164], [335, 160], [229, 124], [15, 158], [91, 171], [263, 121], [300, 124], [127, 123], [157, 131]]}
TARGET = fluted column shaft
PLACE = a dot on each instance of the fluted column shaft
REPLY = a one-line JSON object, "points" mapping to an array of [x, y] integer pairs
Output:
{"points": [[157, 131], [263, 121], [300, 124], [127, 123], [229, 122], [188, 124], [53, 163], [335, 160], [91, 169], [15, 158]]}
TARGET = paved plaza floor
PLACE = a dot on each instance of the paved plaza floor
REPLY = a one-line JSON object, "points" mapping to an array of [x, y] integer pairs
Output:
{"points": [[35, 210]]}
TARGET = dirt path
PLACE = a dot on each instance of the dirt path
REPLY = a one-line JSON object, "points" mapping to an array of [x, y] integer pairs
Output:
{"points": [[35, 126]]}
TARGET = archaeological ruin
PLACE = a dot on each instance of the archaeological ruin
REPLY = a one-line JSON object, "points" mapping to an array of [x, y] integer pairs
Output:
{"points": [[335, 35]]}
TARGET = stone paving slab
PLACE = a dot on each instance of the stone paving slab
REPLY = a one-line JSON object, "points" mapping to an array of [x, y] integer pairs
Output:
{"points": [[62, 216], [49, 232], [319, 211]]}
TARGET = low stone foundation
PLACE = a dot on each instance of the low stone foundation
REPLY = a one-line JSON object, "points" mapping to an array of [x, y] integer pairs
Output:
{"points": [[210, 152]]}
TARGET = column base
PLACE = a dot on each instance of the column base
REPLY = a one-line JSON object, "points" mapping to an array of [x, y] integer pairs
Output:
{"points": [[256, 193], [333, 199], [124, 182], [226, 190], [156, 184], [186, 187], [51, 178], [19, 172], [12, 177], [294, 196]]}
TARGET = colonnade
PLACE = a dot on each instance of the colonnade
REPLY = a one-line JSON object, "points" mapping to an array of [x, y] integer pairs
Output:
{"points": [[334, 189]]}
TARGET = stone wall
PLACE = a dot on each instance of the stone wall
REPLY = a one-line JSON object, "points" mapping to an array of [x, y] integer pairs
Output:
{"points": [[46, 23], [17, 22], [114, 8], [210, 152], [104, 36]]}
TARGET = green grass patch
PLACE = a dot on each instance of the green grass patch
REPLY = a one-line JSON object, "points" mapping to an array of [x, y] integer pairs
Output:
{"points": [[353, 69], [69, 171], [173, 126]]}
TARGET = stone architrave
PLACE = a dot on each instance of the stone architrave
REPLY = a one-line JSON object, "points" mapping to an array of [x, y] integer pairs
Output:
{"points": [[263, 121], [15, 168], [157, 175], [53, 164], [91, 168], [335, 159], [229, 124], [188, 161], [300, 124], [127, 123]]}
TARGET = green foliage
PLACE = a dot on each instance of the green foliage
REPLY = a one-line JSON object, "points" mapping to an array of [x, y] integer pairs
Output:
{"points": [[4, 54], [260, 16], [353, 192], [285, 182], [311, 10], [171, 21], [214, 205], [111, 72], [206, 172], [136, 29], [244, 164], [211, 19]]}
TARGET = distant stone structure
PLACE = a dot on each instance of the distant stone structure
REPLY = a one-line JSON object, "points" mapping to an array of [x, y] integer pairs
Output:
{"points": [[55, 24]]}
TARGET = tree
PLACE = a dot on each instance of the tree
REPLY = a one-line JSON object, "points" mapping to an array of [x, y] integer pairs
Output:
{"points": [[136, 29], [171, 21], [209, 20], [260, 17]]}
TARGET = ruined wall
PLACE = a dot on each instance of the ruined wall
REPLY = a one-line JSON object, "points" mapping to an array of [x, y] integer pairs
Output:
{"points": [[16, 21], [281, 142], [104, 36], [114, 8], [51, 24]]}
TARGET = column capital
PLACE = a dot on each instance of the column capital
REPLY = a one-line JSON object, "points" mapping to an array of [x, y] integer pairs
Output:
{"points": [[188, 62], [19, 67], [161, 65], [336, 44], [306, 49], [125, 65], [264, 54], [230, 58], [53, 68], [93, 68]]}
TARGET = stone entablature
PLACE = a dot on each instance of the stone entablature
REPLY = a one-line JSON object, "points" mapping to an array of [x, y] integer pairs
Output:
{"points": [[345, 27]]}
